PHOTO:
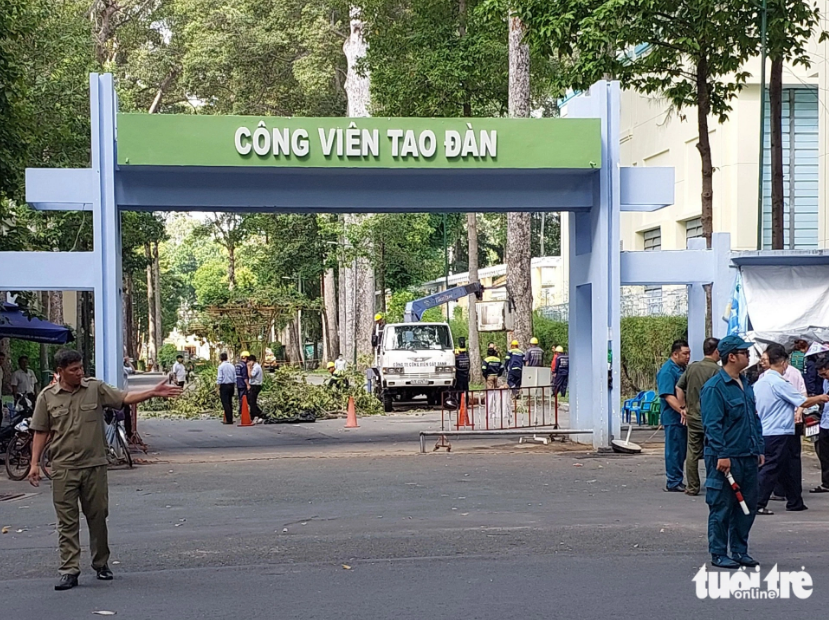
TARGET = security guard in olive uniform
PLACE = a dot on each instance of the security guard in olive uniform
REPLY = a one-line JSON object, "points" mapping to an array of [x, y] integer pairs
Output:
{"points": [[72, 410], [733, 443]]}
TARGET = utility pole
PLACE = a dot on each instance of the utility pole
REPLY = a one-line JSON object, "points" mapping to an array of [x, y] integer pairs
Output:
{"points": [[445, 264]]}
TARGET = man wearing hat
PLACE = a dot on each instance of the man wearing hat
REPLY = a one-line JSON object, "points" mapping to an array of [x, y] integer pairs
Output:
{"points": [[462, 367], [514, 364], [534, 355], [733, 443], [242, 380]]}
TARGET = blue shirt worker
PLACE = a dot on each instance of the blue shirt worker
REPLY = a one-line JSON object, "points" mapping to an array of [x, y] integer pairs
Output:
{"points": [[514, 364], [733, 443], [534, 357], [561, 373], [822, 443], [779, 407], [673, 415], [242, 380]]}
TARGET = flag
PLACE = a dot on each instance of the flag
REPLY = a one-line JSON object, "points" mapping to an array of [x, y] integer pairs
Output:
{"points": [[736, 313]]}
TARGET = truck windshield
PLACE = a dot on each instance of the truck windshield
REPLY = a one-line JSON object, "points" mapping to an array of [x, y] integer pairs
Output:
{"points": [[414, 337]]}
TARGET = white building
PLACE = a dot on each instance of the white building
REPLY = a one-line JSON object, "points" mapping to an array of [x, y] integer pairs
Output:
{"points": [[653, 135]]}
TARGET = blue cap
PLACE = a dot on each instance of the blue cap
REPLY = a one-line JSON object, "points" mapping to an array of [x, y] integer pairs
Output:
{"points": [[729, 344]]}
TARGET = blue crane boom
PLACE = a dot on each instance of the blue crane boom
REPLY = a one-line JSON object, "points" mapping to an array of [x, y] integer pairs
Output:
{"points": [[416, 308]]}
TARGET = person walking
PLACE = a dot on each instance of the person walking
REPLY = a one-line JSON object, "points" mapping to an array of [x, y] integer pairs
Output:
{"points": [[514, 364], [534, 356], [72, 411], [688, 389], [257, 378], [780, 407], [733, 444], [226, 380], [179, 371], [673, 415], [242, 380]]}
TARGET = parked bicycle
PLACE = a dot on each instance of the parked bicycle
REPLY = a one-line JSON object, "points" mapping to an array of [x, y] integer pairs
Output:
{"points": [[19, 453]]}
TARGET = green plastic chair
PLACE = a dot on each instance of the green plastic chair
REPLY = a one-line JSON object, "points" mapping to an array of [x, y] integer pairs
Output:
{"points": [[652, 409]]}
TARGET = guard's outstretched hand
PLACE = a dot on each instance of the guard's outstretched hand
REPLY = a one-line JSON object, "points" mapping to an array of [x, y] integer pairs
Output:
{"points": [[166, 390]]}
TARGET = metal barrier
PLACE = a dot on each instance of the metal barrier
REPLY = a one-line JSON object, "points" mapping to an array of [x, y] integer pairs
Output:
{"points": [[501, 409]]}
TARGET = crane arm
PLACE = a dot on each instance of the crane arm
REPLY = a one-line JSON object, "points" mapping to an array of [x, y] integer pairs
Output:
{"points": [[416, 308]]}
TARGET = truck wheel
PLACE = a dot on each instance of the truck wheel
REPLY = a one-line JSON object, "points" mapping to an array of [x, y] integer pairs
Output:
{"points": [[388, 405]]}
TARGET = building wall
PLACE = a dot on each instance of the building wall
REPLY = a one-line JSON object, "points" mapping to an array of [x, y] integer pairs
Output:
{"points": [[653, 135]]}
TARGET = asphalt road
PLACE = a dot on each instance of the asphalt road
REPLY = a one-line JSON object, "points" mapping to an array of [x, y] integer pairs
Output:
{"points": [[517, 532]]}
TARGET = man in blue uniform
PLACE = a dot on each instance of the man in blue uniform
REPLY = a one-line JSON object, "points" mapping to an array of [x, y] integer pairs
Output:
{"points": [[733, 443], [673, 415], [462, 366], [492, 368], [514, 363]]}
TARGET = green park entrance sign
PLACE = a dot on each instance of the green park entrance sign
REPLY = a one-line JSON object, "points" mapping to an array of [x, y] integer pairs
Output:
{"points": [[499, 143]]}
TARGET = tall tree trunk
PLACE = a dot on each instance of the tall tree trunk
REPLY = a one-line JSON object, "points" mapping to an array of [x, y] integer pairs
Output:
{"points": [[361, 284], [707, 196], [231, 267], [292, 345], [85, 310], [329, 288], [381, 277], [776, 112], [129, 316], [152, 330], [159, 318], [519, 283], [56, 307], [473, 342]]}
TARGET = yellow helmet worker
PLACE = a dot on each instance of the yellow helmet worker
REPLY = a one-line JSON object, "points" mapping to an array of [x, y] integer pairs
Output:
{"points": [[559, 349], [330, 365], [533, 340], [514, 343], [245, 354], [378, 317]]}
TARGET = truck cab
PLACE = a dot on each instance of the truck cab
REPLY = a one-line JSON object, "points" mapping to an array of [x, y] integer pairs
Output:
{"points": [[415, 359]]}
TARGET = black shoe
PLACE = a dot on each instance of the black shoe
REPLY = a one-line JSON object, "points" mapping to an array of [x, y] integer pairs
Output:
{"points": [[723, 561], [777, 498], [104, 574], [67, 582], [744, 559], [798, 509], [680, 488]]}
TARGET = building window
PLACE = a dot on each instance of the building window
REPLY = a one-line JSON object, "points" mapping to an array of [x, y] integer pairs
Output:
{"points": [[653, 239], [693, 229], [653, 300], [800, 170]]}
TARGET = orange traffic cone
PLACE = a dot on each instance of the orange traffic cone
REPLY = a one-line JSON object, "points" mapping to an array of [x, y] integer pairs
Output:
{"points": [[351, 420], [245, 413], [463, 419]]}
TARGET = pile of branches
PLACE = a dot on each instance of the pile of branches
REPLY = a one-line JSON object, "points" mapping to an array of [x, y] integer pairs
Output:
{"points": [[286, 396]]}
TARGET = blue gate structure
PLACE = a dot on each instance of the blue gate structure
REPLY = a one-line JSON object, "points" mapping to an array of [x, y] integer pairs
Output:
{"points": [[256, 176]]}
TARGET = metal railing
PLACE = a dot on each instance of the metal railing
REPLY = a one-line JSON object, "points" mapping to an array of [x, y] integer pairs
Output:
{"points": [[501, 409]]}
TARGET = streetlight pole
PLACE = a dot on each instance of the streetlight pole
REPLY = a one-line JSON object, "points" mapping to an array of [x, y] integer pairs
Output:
{"points": [[762, 156], [445, 263]]}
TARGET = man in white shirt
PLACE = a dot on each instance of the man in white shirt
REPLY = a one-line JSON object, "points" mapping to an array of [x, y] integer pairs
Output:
{"points": [[24, 381], [340, 364], [179, 371], [255, 377], [226, 380]]}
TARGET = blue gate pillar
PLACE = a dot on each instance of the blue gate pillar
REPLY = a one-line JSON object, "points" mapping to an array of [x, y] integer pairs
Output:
{"points": [[595, 285], [109, 346]]}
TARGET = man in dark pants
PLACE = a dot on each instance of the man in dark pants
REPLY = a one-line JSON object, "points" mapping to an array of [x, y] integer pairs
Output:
{"points": [[514, 363], [733, 443], [242, 380], [72, 412], [226, 380], [673, 415], [822, 444], [687, 390], [462, 364], [561, 373], [779, 407]]}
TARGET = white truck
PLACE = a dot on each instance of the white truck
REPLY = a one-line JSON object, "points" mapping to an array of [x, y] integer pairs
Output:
{"points": [[414, 359]]}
